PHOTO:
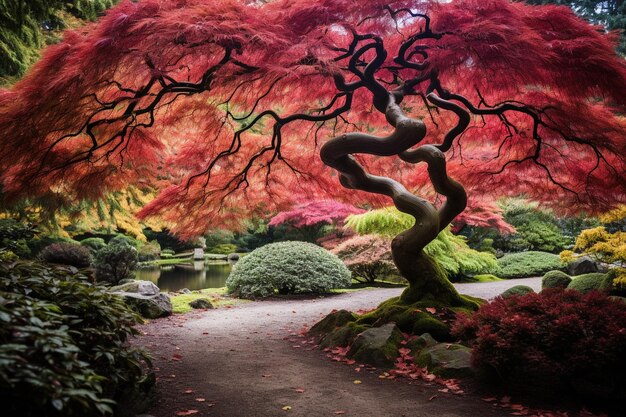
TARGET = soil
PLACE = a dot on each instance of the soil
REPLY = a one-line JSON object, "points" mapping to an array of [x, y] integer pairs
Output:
{"points": [[250, 361]]}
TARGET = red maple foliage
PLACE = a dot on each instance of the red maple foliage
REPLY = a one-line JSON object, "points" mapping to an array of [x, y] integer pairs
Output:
{"points": [[223, 104], [368, 257], [315, 213]]}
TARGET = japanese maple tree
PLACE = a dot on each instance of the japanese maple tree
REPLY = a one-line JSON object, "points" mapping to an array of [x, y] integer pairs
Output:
{"points": [[224, 105]]}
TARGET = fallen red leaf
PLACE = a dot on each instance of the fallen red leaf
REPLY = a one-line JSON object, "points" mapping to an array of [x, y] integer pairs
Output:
{"points": [[299, 390], [200, 400], [188, 391], [340, 412], [187, 412]]}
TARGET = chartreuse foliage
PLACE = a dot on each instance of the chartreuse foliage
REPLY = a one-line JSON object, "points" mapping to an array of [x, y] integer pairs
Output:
{"points": [[287, 268], [63, 344], [450, 251], [25, 25], [604, 246]]}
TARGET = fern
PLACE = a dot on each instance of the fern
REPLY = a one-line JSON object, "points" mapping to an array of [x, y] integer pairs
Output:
{"points": [[449, 250]]}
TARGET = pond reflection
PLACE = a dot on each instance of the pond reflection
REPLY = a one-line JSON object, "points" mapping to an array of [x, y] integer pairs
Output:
{"points": [[194, 276]]}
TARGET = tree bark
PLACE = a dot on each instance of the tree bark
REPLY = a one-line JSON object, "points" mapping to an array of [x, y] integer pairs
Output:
{"points": [[426, 279]]}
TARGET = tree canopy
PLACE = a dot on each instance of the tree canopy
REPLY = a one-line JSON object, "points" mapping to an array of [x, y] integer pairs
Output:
{"points": [[223, 105]]}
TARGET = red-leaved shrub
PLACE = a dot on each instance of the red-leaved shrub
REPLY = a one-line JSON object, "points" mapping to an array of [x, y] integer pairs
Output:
{"points": [[67, 254], [556, 339]]}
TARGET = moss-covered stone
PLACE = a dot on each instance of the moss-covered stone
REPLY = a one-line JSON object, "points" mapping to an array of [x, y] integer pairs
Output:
{"points": [[421, 342], [201, 303], [415, 318], [377, 346], [555, 279], [588, 282], [342, 336], [331, 322], [517, 290], [447, 360]]}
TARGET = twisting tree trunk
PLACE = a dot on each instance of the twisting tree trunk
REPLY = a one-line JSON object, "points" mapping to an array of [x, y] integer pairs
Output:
{"points": [[426, 280]]}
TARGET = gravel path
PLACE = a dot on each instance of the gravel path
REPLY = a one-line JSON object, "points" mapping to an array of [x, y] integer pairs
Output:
{"points": [[245, 361]]}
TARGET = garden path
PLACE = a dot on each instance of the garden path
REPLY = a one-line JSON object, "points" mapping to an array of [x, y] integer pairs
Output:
{"points": [[246, 361]]}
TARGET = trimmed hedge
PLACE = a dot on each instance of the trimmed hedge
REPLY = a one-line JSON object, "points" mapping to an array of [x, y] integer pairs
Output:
{"points": [[555, 279], [517, 290], [287, 268], [595, 281]]}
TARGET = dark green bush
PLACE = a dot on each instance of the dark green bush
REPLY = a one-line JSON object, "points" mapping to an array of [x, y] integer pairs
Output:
{"points": [[287, 267], [15, 236], [39, 243], [115, 262], [63, 344], [93, 243], [555, 279], [536, 229], [595, 281], [527, 264], [67, 254], [117, 239]]}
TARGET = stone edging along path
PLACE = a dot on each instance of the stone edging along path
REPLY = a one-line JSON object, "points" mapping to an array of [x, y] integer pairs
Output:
{"points": [[245, 361]]}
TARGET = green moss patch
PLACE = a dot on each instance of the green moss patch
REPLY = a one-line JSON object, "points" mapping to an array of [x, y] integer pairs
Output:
{"points": [[180, 302]]}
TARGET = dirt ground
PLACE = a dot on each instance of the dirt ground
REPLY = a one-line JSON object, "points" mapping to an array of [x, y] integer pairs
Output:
{"points": [[249, 361]]}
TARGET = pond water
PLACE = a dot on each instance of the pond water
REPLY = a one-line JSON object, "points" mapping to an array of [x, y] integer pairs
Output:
{"points": [[194, 276]]}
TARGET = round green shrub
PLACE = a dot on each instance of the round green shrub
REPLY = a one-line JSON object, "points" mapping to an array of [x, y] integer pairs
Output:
{"points": [[67, 254], [93, 243], [115, 262], [585, 283], [555, 279], [517, 290], [287, 268]]}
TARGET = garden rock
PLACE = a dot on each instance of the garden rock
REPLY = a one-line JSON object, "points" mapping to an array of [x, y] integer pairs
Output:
{"points": [[447, 360], [201, 303], [185, 291], [149, 306], [233, 257], [582, 265], [421, 342], [331, 322], [145, 298], [377, 346], [139, 287]]}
